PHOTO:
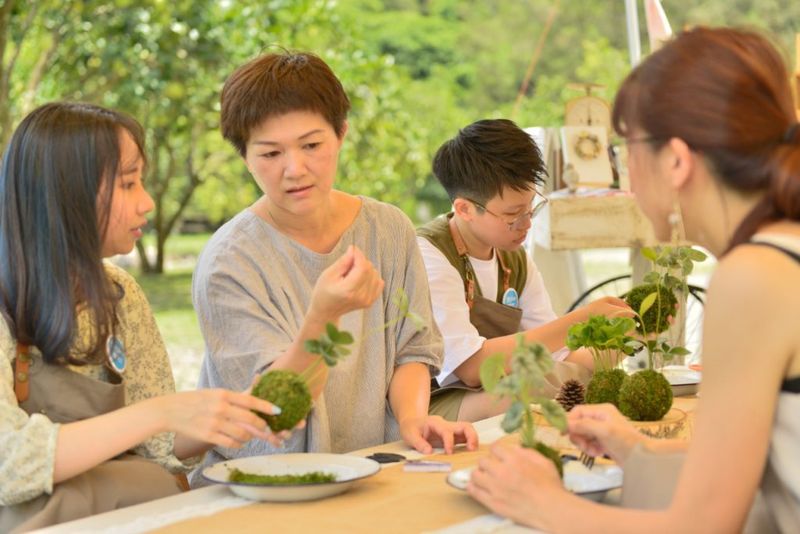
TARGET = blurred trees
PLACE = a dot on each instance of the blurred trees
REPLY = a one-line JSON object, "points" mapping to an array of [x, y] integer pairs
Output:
{"points": [[416, 71]]}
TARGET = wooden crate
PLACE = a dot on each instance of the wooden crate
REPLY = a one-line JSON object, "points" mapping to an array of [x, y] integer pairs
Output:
{"points": [[580, 221]]}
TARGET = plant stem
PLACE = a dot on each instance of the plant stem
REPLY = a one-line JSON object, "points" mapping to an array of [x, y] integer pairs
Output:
{"points": [[311, 371]]}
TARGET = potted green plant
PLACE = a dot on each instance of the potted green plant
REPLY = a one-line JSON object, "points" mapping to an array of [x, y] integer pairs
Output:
{"points": [[647, 395], [644, 396], [656, 299], [608, 341], [529, 364], [289, 390]]}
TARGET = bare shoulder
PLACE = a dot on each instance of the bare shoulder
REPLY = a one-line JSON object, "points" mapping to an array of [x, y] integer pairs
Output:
{"points": [[756, 271], [754, 297]]}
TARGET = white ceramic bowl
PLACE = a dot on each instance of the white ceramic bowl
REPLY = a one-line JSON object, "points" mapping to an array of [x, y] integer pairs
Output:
{"points": [[578, 479], [348, 469]]}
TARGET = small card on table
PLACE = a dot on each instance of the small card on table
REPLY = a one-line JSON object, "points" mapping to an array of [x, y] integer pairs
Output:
{"points": [[426, 466]]}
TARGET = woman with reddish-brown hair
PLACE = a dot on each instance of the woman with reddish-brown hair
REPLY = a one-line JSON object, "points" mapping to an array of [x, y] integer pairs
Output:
{"points": [[714, 148]]}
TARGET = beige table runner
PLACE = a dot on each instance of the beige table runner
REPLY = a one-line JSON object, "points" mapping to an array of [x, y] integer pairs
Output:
{"points": [[391, 501]]}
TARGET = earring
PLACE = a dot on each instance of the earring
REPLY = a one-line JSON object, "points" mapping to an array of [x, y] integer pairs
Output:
{"points": [[677, 232]]}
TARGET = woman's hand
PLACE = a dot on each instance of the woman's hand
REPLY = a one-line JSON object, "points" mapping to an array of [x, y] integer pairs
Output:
{"points": [[610, 307], [519, 484], [599, 429], [351, 283], [216, 417], [431, 431]]}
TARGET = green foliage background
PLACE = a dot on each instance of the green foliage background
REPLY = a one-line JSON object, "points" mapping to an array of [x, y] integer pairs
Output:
{"points": [[416, 71]]}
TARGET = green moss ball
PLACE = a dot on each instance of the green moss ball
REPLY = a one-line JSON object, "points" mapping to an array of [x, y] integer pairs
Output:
{"points": [[287, 390], [604, 387], [552, 454], [655, 319], [645, 396]]}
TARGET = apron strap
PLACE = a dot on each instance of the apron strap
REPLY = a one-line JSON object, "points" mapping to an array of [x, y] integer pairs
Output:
{"points": [[469, 274], [506, 271], [469, 282], [22, 373]]}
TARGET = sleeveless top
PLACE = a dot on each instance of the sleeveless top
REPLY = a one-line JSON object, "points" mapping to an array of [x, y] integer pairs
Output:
{"points": [[780, 484]]}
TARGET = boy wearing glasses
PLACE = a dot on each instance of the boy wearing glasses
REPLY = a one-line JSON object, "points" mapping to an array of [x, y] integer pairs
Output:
{"points": [[484, 286]]}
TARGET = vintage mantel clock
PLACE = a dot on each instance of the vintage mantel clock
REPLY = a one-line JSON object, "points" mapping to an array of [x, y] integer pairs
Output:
{"points": [[587, 110], [584, 139]]}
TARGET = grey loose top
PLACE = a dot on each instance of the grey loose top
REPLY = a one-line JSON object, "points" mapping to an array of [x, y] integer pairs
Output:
{"points": [[251, 290]]}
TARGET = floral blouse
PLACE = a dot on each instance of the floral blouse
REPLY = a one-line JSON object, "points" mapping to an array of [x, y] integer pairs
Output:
{"points": [[28, 442]]}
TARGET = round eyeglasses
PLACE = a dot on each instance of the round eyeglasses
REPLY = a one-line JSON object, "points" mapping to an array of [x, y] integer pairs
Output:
{"points": [[519, 222]]}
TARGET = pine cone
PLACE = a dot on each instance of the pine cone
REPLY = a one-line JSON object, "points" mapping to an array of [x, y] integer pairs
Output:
{"points": [[570, 394]]}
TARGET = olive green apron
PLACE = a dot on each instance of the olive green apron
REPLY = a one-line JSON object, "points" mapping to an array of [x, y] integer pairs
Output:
{"points": [[65, 396], [494, 319]]}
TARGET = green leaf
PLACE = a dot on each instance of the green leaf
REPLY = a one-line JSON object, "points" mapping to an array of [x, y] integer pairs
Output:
{"points": [[697, 255], [647, 303], [513, 418], [652, 278], [649, 253], [313, 346], [679, 351], [492, 370], [416, 320], [344, 338], [554, 413], [331, 330], [401, 301]]}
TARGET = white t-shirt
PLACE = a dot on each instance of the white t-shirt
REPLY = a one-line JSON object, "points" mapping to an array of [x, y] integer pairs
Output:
{"points": [[451, 313]]}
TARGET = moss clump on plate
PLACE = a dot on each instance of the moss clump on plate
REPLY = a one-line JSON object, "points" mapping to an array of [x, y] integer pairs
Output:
{"points": [[654, 320], [645, 396], [287, 390], [314, 477], [604, 386]]}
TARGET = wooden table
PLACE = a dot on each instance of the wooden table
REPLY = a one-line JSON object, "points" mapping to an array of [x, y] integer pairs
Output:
{"points": [[391, 501]]}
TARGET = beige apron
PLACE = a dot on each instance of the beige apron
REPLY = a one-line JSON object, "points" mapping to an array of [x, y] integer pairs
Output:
{"points": [[494, 319], [64, 397]]}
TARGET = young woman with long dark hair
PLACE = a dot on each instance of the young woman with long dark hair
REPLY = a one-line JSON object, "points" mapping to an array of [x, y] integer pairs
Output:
{"points": [[89, 420]]}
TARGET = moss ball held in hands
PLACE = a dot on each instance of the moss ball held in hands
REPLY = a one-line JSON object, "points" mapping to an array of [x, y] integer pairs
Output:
{"points": [[654, 320], [604, 386], [645, 396], [287, 390]]}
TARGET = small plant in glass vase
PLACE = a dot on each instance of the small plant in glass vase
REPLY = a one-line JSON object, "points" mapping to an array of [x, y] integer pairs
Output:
{"points": [[609, 342], [656, 300], [289, 390], [529, 364]]}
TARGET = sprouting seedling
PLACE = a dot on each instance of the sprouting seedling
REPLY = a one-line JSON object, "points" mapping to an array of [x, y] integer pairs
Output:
{"points": [[655, 300], [530, 362], [332, 345], [605, 338]]}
